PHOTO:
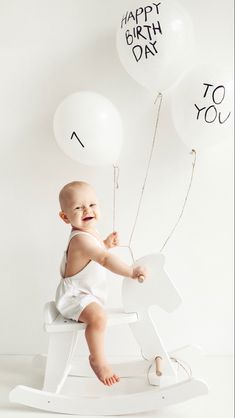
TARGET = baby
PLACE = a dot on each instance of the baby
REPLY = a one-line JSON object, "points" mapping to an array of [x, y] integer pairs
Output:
{"points": [[82, 291]]}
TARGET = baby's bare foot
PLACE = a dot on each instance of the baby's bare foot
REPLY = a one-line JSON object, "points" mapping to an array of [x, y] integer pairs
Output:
{"points": [[104, 372]]}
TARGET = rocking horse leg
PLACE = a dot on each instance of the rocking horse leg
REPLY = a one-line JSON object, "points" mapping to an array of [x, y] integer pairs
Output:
{"points": [[151, 345], [60, 354]]}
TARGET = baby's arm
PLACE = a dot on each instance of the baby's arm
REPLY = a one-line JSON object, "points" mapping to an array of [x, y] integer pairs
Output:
{"points": [[90, 249]]}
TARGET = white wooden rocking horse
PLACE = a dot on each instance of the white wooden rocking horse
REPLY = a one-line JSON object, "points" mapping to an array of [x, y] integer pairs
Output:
{"points": [[162, 385]]}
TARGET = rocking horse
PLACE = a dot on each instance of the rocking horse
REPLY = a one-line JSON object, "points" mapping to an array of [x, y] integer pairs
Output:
{"points": [[162, 385]]}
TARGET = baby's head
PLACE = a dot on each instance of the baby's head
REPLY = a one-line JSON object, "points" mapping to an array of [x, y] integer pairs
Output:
{"points": [[79, 205]]}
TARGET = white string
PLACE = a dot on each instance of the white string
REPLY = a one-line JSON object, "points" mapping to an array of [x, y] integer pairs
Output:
{"points": [[180, 363], [159, 98], [116, 174], [193, 152], [116, 186]]}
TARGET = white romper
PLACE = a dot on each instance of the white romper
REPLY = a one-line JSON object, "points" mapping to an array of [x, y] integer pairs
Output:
{"points": [[74, 293]]}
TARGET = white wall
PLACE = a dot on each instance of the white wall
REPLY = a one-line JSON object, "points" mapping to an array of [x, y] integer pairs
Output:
{"points": [[47, 51]]}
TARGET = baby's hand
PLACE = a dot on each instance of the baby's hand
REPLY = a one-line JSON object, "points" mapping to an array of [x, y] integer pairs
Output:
{"points": [[112, 240], [140, 271]]}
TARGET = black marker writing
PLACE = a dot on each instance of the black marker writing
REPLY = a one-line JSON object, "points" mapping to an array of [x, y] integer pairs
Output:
{"points": [[143, 36], [211, 113], [74, 134]]}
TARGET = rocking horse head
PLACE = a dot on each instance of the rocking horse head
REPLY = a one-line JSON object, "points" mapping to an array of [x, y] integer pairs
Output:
{"points": [[157, 289]]}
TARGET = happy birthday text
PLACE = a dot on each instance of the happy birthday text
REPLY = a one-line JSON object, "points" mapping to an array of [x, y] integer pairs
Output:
{"points": [[143, 30]]}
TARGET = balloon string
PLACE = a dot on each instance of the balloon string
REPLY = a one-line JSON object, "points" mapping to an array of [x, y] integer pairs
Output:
{"points": [[116, 173], [193, 152], [159, 98], [115, 186]]}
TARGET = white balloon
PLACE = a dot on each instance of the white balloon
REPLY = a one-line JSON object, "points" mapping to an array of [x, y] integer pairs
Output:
{"points": [[155, 42], [202, 106], [88, 128]]}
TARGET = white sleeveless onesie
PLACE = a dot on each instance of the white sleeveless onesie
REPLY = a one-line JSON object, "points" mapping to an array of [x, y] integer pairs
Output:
{"points": [[74, 293]]}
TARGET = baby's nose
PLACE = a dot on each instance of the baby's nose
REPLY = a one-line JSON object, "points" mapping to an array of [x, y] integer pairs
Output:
{"points": [[86, 209]]}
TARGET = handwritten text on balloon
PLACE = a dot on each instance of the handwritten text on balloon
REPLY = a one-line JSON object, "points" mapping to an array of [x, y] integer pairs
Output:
{"points": [[142, 38], [211, 114]]}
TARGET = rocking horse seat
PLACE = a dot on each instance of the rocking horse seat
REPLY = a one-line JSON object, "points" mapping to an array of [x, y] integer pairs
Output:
{"points": [[55, 322]]}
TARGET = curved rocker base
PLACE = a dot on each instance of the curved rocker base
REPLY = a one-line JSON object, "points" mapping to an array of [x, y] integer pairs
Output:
{"points": [[149, 400]]}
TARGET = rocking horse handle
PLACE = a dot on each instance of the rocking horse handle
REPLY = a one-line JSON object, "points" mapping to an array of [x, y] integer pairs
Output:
{"points": [[141, 279]]}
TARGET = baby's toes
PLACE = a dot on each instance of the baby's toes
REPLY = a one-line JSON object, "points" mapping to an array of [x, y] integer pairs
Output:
{"points": [[114, 380], [109, 381]]}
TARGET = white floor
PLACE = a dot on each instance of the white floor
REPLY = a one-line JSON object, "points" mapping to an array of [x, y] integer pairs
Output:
{"points": [[216, 371]]}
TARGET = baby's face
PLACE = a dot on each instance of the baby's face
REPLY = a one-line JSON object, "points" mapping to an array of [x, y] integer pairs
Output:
{"points": [[82, 208]]}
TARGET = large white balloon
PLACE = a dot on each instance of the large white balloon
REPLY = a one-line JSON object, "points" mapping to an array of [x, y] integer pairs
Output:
{"points": [[88, 128], [155, 42], [202, 106]]}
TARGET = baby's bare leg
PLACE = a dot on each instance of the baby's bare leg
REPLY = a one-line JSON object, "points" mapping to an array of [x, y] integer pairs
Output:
{"points": [[95, 318]]}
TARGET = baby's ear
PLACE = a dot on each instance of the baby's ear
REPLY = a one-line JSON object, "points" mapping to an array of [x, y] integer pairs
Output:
{"points": [[63, 216]]}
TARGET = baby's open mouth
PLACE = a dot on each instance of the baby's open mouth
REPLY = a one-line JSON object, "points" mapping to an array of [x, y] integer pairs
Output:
{"points": [[88, 218]]}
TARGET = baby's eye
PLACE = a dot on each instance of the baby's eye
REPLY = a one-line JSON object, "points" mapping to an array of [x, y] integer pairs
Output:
{"points": [[92, 204], [78, 208]]}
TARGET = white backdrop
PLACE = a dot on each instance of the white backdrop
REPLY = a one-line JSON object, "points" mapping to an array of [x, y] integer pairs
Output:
{"points": [[49, 50]]}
